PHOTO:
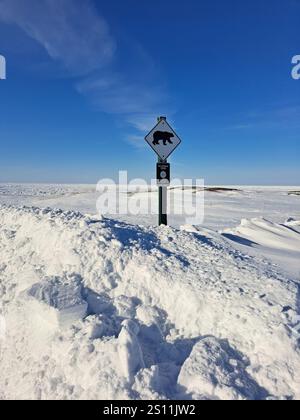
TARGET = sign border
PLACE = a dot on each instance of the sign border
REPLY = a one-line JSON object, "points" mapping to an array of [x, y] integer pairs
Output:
{"points": [[180, 141]]}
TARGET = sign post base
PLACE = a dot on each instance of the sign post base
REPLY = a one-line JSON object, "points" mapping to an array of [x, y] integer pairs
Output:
{"points": [[162, 198]]}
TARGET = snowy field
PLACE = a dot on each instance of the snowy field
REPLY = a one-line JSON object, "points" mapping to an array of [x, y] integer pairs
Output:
{"points": [[114, 307]]}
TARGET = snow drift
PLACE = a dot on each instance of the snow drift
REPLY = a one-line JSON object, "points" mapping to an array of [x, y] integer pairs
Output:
{"points": [[268, 234], [278, 242], [101, 309]]}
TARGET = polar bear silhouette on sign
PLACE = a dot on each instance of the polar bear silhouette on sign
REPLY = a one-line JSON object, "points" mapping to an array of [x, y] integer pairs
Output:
{"points": [[164, 136]]}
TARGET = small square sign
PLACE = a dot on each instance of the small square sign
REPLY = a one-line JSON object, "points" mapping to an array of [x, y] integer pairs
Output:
{"points": [[163, 174]]}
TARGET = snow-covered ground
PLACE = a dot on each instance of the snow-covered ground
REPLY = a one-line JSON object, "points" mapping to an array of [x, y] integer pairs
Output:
{"points": [[222, 210], [115, 307]]}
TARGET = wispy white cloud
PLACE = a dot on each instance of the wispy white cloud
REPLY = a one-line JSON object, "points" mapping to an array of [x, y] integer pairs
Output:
{"points": [[71, 31], [144, 121], [118, 94], [75, 35], [271, 116], [137, 141], [275, 115]]}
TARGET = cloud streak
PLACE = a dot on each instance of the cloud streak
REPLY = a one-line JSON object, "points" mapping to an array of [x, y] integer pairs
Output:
{"points": [[119, 95], [74, 34], [70, 31]]}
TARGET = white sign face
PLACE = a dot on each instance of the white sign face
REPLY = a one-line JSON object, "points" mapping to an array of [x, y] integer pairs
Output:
{"points": [[163, 139]]}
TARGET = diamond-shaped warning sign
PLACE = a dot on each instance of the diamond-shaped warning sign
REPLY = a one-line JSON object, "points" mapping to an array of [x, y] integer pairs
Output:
{"points": [[163, 139]]}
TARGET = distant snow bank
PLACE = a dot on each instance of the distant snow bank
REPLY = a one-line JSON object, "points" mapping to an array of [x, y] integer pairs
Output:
{"points": [[269, 234], [278, 242], [101, 309]]}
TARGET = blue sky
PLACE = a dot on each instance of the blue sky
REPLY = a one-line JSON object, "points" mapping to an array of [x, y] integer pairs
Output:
{"points": [[86, 80]]}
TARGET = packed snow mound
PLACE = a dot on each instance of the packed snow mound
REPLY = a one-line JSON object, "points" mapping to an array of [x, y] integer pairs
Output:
{"points": [[100, 309], [216, 371], [62, 298]]}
